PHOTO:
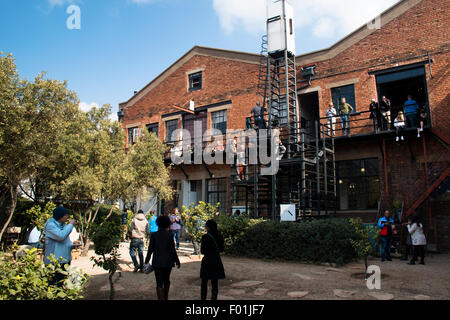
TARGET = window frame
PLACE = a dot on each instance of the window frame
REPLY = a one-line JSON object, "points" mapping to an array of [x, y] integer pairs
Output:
{"points": [[351, 99], [221, 115], [168, 123], [219, 189], [191, 79]]}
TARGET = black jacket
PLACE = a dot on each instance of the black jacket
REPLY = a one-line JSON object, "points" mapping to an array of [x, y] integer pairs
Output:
{"points": [[374, 110], [212, 267], [385, 106], [162, 246]]}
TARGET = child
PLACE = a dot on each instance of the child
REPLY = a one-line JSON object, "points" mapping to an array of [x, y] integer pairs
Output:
{"points": [[399, 124], [422, 120]]}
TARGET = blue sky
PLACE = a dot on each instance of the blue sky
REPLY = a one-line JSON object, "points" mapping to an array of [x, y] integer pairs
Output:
{"points": [[124, 44]]}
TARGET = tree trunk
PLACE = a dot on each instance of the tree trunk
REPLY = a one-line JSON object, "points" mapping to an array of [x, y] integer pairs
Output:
{"points": [[196, 247], [87, 244], [9, 208], [111, 284], [365, 271]]}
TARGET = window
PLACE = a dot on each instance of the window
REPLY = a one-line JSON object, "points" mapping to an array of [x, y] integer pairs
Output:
{"points": [[358, 184], [153, 128], [171, 126], [347, 92], [195, 81], [217, 192], [219, 121], [133, 134]]}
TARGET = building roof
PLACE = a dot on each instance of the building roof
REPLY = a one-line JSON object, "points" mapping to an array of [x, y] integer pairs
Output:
{"points": [[303, 59]]}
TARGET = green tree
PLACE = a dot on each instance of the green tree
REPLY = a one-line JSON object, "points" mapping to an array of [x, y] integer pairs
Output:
{"points": [[367, 237], [194, 218], [33, 117]]}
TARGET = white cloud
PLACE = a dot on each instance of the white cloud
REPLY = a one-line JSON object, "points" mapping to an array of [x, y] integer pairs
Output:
{"points": [[324, 18], [88, 106]]}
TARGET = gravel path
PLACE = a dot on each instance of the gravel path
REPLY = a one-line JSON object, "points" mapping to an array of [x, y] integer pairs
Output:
{"points": [[250, 279]]}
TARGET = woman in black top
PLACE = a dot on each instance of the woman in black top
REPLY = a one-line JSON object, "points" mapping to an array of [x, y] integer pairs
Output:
{"points": [[212, 267], [162, 246]]}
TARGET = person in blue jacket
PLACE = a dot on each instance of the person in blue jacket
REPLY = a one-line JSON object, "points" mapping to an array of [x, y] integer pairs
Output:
{"points": [[385, 224], [57, 240], [152, 226], [410, 108]]}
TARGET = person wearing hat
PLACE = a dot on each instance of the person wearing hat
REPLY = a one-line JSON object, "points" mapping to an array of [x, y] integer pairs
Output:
{"points": [[57, 240]]}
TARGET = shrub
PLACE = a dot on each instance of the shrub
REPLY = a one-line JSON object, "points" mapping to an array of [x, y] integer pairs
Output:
{"points": [[106, 238], [317, 241], [27, 278]]}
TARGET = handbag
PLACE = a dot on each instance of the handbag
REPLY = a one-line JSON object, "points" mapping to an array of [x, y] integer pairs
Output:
{"points": [[148, 268]]}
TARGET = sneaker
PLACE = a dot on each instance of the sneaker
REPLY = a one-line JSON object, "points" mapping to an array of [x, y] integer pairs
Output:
{"points": [[403, 138], [136, 269], [396, 139], [418, 135], [421, 130]]}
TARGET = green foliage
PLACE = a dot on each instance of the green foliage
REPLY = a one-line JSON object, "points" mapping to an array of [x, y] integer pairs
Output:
{"points": [[27, 278], [234, 228], [106, 238], [39, 216], [367, 236], [319, 241], [195, 217]]}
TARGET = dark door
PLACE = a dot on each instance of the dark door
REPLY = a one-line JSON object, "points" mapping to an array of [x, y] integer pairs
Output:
{"points": [[309, 111]]}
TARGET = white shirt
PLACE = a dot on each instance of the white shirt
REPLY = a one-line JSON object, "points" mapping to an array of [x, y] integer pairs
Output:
{"points": [[34, 236]]}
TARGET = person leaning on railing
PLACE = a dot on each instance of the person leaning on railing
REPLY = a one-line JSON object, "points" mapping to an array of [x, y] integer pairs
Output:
{"points": [[331, 118], [410, 107], [344, 111], [385, 109], [375, 115]]}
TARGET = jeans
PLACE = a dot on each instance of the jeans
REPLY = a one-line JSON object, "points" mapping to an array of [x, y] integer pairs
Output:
{"points": [[137, 244], [259, 122], [411, 120], [386, 242], [176, 235], [331, 123], [345, 123]]}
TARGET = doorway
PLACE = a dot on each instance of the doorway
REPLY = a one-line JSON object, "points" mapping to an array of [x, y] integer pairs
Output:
{"points": [[309, 112]]}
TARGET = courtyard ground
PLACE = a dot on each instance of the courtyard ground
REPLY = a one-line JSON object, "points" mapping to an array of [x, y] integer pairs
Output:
{"points": [[251, 279]]}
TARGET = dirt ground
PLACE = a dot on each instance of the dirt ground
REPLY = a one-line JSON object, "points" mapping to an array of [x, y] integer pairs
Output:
{"points": [[275, 280]]}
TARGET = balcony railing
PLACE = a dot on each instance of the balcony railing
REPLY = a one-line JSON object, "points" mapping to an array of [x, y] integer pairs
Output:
{"points": [[362, 123]]}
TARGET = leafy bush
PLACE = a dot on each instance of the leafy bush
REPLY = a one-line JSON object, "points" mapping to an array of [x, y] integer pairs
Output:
{"points": [[195, 217], [317, 241], [106, 238], [233, 228], [367, 236], [39, 215], [27, 278]]}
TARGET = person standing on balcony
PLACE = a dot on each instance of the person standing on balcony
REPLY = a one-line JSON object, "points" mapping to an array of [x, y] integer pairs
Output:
{"points": [[344, 111], [385, 109], [415, 228], [331, 118], [385, 224], [410, 107], [258, 116], [399, 124], [422, 120], [375, 115]]}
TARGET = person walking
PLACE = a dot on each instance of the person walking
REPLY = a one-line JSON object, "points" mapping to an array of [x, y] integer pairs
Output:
{"points": [[162, 248], [331, 118], [57, 241], [175, 226], [385, 109], [375, 115], [212, 245], [410, 107], [344, 111], [415, 229], [124, 218], [385, 224], [138, 230]]}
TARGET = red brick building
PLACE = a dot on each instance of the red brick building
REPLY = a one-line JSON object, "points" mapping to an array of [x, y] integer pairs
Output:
{"points": [[406, 53]]}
